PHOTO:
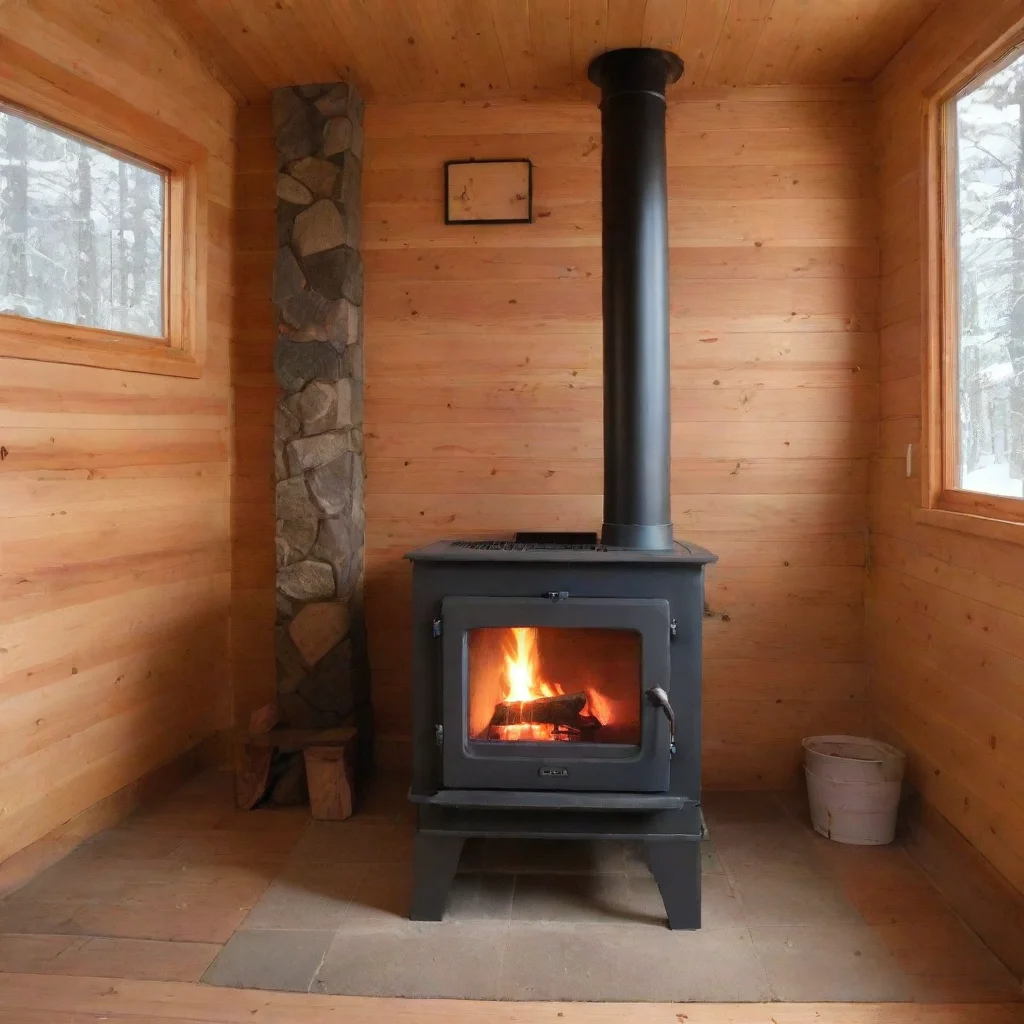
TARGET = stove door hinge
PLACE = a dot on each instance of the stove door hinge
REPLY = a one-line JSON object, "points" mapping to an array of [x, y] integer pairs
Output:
{"points": [[435, 627], [673, 628], [439, 735]]}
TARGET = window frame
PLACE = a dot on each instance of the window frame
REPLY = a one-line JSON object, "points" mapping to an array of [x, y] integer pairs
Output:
{"points": [[944, 502], [53, 97]]}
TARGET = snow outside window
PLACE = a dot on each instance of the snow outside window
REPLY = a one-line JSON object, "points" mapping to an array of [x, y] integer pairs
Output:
{"points": [[81, 231], [987, 189]]}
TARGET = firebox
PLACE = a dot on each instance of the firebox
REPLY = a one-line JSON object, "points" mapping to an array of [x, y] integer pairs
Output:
{"points": [[548, 692], [556, 678]]}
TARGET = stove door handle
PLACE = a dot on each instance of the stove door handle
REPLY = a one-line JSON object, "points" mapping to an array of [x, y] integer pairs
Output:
{"points": [[659, 698]]}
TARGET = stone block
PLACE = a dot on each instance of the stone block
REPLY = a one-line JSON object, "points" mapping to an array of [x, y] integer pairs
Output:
{"points": [[341, 100], [286, 214], [346, 187], [321, 177], [289, 280], [338, 134], [296, 364], [280, 462], [311, 91], [286, 423], [331, 485], [341, 326], [319, 627], [295, 124], [292, 191], [326, 406], [352, 364], [317, 228], [336, 273], [312, 452], [308, 580], [344, 408], [285, 106], [292, 500], [294, 539], [334, 541]]}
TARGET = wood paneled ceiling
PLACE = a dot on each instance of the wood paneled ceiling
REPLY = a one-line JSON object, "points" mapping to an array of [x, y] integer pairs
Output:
{"points": [[435, 49]]}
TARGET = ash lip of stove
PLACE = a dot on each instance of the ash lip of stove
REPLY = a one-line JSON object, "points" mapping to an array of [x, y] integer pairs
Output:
{"points": [[556, 679]]}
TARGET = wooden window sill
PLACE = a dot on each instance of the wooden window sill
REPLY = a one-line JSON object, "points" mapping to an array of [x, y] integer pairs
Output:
{"points": [[44, 340], [980, 526]]}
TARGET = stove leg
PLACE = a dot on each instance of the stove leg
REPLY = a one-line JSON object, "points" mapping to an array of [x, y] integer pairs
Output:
{"points": [[675, 864], [435, 860]]}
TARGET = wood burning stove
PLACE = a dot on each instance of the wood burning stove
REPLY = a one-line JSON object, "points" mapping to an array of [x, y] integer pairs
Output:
{"points": [[556, 679]]}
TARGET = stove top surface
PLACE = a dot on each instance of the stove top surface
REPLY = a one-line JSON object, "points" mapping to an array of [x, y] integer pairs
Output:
{"points": [[555, 548]]}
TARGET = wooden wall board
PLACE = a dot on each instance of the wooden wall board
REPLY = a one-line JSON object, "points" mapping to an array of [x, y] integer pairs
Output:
{"points": [[945, 610], [255, 391], [483, 382], [433, 49], [115, 548]]}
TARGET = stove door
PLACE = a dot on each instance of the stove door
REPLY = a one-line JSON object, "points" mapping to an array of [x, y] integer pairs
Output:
{"points": [[551, 693]]}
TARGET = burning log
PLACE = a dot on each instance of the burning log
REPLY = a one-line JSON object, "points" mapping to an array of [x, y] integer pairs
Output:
{"points": [[565, 710]]}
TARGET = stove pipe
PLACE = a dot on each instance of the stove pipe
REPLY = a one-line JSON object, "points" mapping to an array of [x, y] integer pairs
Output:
{"points": [[634, 230]]}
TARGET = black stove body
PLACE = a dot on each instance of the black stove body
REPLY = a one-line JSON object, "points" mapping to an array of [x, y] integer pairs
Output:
{"points": [[643, 786], [556, 678]]}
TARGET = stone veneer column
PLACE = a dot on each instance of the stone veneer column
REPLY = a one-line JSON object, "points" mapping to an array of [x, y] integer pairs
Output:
{"points": [[322, 678]]}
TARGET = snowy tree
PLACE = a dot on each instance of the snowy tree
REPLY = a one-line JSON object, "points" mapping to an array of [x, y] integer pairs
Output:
{"points": [[81, 231], [990, 180]]}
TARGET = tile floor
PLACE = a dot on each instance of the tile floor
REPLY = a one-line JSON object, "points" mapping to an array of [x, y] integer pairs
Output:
{"points": [[192, 889]]}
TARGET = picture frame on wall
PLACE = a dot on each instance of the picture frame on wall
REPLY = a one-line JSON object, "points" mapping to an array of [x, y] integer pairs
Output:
{"points": [[488, 191]]}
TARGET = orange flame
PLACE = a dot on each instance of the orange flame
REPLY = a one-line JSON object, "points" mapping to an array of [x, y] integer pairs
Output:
{"points": [[523, 683]]}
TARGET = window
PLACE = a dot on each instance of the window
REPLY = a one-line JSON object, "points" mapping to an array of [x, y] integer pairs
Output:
{"points": [[81, 231], [103, 221], [976, 414]]}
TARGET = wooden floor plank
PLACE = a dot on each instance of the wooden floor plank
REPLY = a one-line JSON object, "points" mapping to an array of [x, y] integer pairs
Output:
{"points": [[27, 999]]}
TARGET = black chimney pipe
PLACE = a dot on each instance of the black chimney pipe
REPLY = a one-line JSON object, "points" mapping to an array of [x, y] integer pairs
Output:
{"points": [[634, 229]]}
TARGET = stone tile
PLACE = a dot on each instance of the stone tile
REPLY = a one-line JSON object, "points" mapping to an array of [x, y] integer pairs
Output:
{"points": [[481, 896], [761, 843], [720, 906], [739, 808], [386, 799], [584, 962], [605, 899], [285, 960], [775, 894], [945, 948], [382, 902], [190, 922], [139, 959], [830, 962], [355, 842], [129, 843], [30, 954], [424, 960], [308, 897], [37, 918], [957, 989], [710, 862], [545, 856]]}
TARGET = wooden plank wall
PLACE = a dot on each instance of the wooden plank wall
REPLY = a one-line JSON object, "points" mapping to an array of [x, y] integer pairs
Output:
{"points": [[945, 619], [483, 382], [252, 553], [114, 501]]}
